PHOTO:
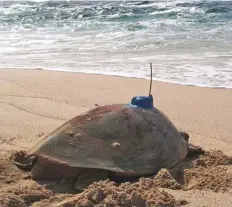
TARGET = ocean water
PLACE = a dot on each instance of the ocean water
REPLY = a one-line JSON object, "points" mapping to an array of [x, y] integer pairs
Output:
{"points": [[188, 42]]}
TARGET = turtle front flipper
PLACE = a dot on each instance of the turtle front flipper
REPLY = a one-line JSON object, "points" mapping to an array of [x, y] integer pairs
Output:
{"points": [[194, 151], [89, 176], [22, 160]]}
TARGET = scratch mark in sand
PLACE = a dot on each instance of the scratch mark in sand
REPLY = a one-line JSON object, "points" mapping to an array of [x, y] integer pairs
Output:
{"points": [[22, 109], [41, 97], [12, 82], [21, 96], [213, 137], [4, 141]]}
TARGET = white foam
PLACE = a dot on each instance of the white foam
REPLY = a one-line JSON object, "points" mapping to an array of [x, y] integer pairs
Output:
{"points": [[182, 51]]}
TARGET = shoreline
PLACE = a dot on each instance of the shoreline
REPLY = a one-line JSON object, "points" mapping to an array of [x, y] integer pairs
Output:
{"points": [[123, 76]]}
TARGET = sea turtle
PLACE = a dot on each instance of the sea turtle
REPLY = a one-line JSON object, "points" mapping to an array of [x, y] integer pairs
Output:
{"points": [[117, 141]]}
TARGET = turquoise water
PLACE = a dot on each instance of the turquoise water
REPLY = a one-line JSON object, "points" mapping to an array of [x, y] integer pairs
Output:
{"points": [[188, 42]]}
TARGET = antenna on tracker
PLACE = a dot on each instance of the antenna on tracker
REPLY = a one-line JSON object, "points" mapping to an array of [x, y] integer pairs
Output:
{"points": [[145, 102], [150, 80]]}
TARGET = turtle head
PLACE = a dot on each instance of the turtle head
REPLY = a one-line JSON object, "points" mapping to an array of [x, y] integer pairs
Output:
{"points": [[192, 150], [185, 136], [23, 160]]}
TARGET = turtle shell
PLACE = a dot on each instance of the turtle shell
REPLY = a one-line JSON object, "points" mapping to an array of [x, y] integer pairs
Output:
{"points": [[118, 138]]}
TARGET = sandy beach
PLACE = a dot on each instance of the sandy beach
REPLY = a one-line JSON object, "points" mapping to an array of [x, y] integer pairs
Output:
{"points": [[35, 102]]}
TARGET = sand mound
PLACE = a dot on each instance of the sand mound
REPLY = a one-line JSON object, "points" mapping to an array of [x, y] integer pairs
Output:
{"points": [[214, 158], [212, 178], [208, 172], [12, 183], [55, 201], [27, 190], [8, 172], [165, 180], [11, 200], [106, 193]]}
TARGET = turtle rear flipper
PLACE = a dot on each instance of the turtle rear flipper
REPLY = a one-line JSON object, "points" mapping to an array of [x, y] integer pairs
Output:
{"points": [[22, 160]]}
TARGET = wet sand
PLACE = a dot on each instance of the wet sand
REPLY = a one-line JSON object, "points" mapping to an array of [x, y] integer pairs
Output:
{"points": [[34, 102]]}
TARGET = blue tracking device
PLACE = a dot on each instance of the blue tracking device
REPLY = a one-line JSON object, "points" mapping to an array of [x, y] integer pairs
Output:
{"points": [[145, 102]]}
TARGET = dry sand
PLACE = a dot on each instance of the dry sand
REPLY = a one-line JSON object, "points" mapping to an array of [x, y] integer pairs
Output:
{"points": [[34, 102]]}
